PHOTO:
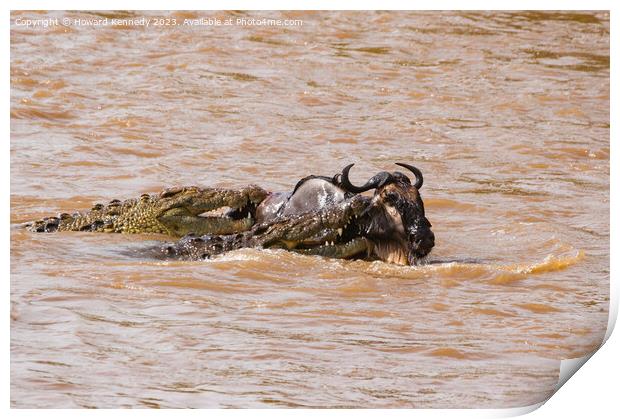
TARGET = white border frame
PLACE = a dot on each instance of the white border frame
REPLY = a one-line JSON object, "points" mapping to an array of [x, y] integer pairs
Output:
{"points": [[593, 391]]}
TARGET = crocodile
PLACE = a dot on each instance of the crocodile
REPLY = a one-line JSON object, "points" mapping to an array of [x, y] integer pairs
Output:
{"points": [[174, 211]]}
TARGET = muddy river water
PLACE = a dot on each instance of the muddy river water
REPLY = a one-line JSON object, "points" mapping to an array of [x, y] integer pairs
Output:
{"points": [[506, 114]]}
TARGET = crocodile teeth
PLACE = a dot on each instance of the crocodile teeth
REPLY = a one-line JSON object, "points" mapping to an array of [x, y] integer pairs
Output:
{"points": [[326, 244], [340, 232], [332, 243]]}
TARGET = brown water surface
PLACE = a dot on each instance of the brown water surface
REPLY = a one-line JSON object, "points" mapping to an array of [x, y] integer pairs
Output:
{"points": [[507, 115]]}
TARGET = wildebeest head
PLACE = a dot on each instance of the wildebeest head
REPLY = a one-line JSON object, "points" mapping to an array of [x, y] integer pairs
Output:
{"points": [[395, 221]]}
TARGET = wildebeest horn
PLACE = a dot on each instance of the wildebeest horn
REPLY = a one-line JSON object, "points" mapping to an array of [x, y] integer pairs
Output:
{"points": [[419, 180], [376, 181]]}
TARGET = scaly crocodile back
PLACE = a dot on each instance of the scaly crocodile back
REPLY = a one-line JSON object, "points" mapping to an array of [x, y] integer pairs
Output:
{"points": [[129, 216]]}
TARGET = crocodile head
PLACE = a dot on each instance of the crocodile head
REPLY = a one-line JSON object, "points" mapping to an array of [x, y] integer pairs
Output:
{"points": [[333, 225], [191, 209]]}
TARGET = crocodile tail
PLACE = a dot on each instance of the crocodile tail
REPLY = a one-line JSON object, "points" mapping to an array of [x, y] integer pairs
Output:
{"points": [[45, 225]]}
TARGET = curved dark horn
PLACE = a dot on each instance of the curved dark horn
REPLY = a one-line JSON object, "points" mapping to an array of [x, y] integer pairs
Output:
{"points": [[344, 179], [376, 181], [419, 180]]}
